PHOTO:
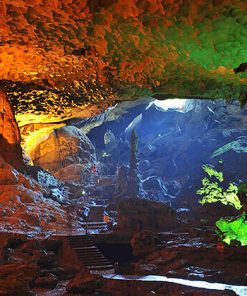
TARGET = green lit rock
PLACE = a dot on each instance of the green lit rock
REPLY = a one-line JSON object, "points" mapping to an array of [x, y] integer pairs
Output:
{"points": [[238, 146], [213, 173], [212, 191], [173, 48], [233, 229]]}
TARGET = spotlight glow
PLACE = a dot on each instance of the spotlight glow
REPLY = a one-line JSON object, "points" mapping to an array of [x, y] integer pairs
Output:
{"points": [[174, 104]]}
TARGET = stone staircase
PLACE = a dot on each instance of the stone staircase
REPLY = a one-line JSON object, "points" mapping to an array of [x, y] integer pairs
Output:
{"points": [[90, 255], [99, 226]]}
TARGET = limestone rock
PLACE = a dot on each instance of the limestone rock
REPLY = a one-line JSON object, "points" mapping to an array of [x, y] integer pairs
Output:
{"points": [[209, 213], [156, 189], [22, 202], [67, 152], [200, 132], [42, 38], [84, 283], [10, 148], [137, 214], [15, 279], [49, 282], [144, 242]]}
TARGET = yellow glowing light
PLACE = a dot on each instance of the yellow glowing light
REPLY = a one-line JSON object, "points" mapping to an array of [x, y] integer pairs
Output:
{"points": [[31, 141]]}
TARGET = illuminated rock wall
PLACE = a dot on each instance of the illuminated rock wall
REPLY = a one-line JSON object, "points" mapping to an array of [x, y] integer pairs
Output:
{"points": [[10, 148], [66, 152], [173, 47]]}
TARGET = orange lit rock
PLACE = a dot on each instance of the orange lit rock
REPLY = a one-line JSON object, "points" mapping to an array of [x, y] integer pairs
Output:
{"points": [[15, 278], [185, 41], [10, 148], [67, 153], [23, 205]]}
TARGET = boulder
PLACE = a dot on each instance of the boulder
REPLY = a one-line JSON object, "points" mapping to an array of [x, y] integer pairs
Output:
{"points": [[15, 279], [137, 214], [67, 152], [49, 282], [209, 213], [84, 283], [10, 148], [144, 242]]}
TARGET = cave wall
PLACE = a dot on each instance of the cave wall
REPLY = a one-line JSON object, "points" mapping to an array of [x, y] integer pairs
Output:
{"points": [[174, 142], [170, 47]]}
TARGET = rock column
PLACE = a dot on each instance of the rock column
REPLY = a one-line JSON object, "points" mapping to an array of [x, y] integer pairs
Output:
{"points": [[10, 148]]}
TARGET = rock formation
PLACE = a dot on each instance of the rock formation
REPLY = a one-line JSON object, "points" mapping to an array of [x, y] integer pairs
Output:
{"points": [[67, 153], [10, 148], [174, 143], [137, 214], [175, 48], [23, 205]]}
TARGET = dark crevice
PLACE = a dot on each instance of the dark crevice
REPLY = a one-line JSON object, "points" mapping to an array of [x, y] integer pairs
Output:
{"points": [[241, 68]]}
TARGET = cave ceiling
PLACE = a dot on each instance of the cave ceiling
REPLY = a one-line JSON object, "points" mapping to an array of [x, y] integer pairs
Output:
{"points": [[103, 51]]}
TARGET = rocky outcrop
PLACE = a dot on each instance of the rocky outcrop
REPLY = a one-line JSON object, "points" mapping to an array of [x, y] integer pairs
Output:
{"points": [[23, 205], [10, 148], [137, 214], [192, 254], [67, 153], [15, 279], [84, 283], [144, 243], [27, 264], [156, 189]]}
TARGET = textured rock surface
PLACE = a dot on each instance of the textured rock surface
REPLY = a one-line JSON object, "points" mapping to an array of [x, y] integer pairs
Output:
{"points": [[192, 254], [67, 153], [31, 263], [143, 243], [175, 138], [172, 47], [10, 148], [15, 279], [84, 283], [23, 206], [137, 214]]}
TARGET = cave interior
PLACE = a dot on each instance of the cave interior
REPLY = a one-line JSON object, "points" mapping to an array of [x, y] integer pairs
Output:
{"points": [[123, 147]]}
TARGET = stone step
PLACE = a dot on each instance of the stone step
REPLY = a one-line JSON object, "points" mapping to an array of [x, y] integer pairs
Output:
{"points": [[96, 227], [98, 223], [95, 262], [78, 241], [78, 245], [87, 251], [100, 267], [98, 256], [91, 257], [92, 247], [89, 254]]}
